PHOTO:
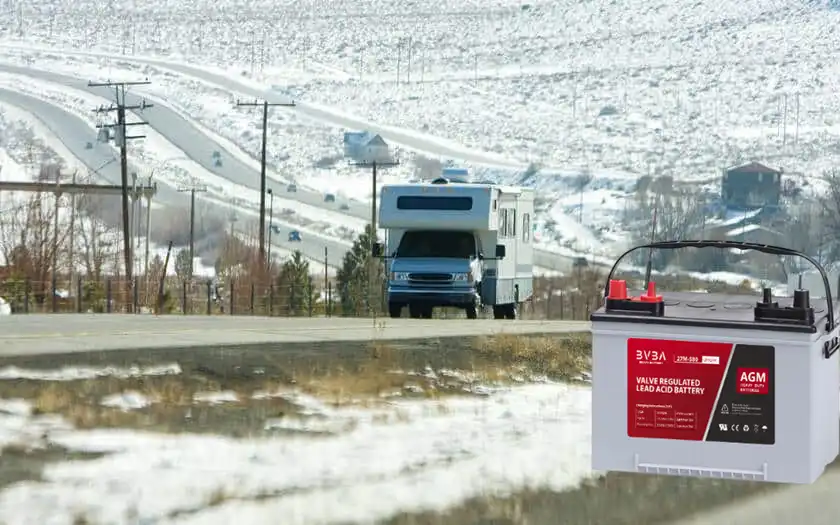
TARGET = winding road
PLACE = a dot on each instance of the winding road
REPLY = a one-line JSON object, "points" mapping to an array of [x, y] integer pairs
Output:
{"points": [[74, 133], [187, 136]]}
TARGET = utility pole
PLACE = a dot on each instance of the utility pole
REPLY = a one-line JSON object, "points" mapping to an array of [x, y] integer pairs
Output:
{"points": [[375, 164], [784, 123], [408, 66], [192, 189], [148, 232], [796, 132], [399, 58], [121, 139], [270, 223], [72, 237], [265, 105]]}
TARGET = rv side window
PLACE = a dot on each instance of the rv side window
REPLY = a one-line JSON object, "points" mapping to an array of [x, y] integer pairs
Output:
{"points": [[526, 227], [512, 222], [502, 222], [429, 202]]}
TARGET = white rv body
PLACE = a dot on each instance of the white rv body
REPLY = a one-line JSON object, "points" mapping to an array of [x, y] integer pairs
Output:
{"points": [[442, 211]]}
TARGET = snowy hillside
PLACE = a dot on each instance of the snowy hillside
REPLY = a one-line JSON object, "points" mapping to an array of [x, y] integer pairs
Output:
{"points": [[622, 88], [524, 79]]}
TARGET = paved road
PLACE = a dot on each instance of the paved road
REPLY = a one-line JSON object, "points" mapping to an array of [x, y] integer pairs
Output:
{"points": [[188, 137], [816, 504], [74, 133], [71, 333]]}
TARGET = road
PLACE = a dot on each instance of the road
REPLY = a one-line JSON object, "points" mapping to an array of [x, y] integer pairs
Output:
{"points": [[189, 138], [74, 133], [74, 333], [815, 504]]}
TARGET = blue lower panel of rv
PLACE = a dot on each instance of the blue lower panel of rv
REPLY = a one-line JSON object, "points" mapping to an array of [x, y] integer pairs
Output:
{"points": [[437, 297]]}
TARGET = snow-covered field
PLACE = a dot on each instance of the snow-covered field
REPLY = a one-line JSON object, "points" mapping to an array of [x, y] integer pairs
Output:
{"points": [[696, 85], [619, 88], [327, 465]]}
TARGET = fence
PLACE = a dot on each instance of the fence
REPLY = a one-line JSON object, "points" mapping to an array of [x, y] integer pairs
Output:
{"points": [[244, 297]]}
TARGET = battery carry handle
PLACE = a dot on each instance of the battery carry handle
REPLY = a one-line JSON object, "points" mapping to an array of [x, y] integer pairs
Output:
{"points": [[764, 248]]}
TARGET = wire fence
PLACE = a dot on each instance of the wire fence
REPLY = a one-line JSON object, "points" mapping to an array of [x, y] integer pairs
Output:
{"points": [[551, 300]]}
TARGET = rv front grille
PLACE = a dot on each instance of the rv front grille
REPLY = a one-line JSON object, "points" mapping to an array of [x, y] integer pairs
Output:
{"points": [[430, 277]]}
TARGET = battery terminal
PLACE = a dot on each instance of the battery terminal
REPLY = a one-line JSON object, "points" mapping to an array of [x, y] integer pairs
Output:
{"points": [[619, 302], [767, 310]]}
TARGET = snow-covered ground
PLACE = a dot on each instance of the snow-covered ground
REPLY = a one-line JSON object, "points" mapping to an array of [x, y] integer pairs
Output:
{"points": [[695, 85], [619, 88], [370, 464], [312, 154]]}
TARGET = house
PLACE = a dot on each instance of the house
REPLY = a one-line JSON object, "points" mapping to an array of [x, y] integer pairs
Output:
{"points": [[364, 146], [752, 185]]}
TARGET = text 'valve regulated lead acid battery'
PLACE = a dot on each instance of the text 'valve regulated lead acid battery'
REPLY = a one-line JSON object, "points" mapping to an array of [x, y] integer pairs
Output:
{"points": [[715, 385]]}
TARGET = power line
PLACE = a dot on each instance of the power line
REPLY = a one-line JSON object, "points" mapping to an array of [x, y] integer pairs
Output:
{"points": [[192, 189], [121, 139], [265, 105]]}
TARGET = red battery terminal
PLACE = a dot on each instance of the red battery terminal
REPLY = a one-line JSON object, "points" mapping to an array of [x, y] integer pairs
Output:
{"points": [[618, 290], [650, 296]]}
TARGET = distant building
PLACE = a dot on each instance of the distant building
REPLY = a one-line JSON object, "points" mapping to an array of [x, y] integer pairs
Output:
{"points": [[364, 146], [752, 185]]}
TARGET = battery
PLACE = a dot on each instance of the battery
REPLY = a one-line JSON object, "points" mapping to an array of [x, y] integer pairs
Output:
{"points": [[715, 385]]}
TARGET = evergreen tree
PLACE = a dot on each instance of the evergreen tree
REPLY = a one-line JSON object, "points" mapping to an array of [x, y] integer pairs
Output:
{"points": [[353, 288], [295, 285]]}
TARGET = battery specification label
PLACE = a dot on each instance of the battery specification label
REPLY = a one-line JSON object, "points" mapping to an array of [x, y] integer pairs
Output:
{"points": [[700, 391]]}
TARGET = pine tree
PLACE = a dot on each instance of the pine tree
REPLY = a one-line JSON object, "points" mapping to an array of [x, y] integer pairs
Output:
{"points": [[352, 277], [295, 285]]}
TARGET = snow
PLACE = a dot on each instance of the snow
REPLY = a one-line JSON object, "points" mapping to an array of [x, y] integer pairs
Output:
{"points": [[317, 138], [401, 457], [215, 398], [170, 166], [126, 401], [498, 85], [79, 373]]}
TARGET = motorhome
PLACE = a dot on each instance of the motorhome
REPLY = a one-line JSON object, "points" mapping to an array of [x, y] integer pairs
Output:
{"points": [[457, 244]]}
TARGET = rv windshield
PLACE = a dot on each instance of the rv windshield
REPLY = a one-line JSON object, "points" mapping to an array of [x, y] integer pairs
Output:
{"points": [[454, 244]]}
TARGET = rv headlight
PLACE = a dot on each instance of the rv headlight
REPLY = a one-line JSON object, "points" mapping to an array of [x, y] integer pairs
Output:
{"points": [[399, 276], [462, 277]]}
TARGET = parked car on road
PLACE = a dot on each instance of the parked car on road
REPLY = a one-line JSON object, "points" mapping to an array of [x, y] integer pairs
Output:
{"points": [[294, 236], [329, 197], [345, 207], [291, 188]]}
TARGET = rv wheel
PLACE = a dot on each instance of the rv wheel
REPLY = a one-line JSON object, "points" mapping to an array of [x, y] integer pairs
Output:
{"points": [[498, 311], [510, 311], [472, 312], [394, 310]]}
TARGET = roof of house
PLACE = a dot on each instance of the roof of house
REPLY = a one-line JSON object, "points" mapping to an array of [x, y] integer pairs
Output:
{"points": [[752, 167], [376, 140], [356, 137]]}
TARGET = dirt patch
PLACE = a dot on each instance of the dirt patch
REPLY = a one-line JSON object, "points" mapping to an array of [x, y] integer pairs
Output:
{"points": [[19, 463], [224, 391]]}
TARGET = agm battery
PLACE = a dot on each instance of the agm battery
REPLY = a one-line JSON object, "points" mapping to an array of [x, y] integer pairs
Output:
{"points": [[715, 385]]}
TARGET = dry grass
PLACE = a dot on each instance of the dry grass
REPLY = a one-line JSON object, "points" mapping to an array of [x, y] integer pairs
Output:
{"points": [[616, 499], [367, 375], [561, 358]]}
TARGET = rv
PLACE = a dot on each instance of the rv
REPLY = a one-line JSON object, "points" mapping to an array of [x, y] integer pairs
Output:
{"points": [[456, 244]]}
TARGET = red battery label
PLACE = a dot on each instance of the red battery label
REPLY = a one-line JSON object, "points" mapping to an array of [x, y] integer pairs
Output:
{"points": [[700, 391]]}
